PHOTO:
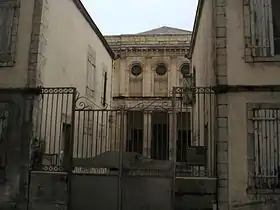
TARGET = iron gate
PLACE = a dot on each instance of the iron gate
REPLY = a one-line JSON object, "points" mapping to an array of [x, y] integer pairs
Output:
{"points": [[123, 156], [138, 155], [50, 146], [194, 132]]}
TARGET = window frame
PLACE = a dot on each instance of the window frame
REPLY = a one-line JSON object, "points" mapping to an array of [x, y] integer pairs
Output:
{"points": [[250, 34], [251, 150], [136, 65], [161, 66], [7, 59]]}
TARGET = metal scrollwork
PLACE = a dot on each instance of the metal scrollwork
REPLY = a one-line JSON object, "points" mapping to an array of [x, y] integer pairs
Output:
{"points": [[156, 104], [193, 90], [84, 103], [58, 90]]}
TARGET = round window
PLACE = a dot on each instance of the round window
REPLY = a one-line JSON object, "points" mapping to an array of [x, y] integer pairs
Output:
{"points": [[185, 69], [161, 69], [136, 70]]}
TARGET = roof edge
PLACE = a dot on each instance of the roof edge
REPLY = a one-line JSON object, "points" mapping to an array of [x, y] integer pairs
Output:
{"points": [[131, 35], [94, 27], [152, 31], [195, 27]]}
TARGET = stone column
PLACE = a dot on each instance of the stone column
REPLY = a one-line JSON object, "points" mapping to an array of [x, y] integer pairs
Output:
{"points": [[172, 79], [147, 80], [122, 74], [147, 134], [116, 131], [222, 105]]}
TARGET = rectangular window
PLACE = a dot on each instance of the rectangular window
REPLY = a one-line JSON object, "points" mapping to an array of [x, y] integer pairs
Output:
{"points": [[91, 71], [276, 25], [265, 25], [264, 153]]}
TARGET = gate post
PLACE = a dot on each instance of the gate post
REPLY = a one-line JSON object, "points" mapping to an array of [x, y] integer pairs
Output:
{"points": [[70, 149], [173, 149], [121, 148]]}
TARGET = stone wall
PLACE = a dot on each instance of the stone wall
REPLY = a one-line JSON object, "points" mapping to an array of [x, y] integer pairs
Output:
{"points": [[152, 40], [38, 43], [222, 103]]}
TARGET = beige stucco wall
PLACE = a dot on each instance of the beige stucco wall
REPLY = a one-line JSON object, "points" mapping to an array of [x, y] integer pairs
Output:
{"points": [[239, 72], [16, 76], [68, 37], [238, 139], [203, 60], [203, 53]]}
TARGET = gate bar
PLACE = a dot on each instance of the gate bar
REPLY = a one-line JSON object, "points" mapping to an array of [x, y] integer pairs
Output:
{"points": [[70, 161], [174, 142]]}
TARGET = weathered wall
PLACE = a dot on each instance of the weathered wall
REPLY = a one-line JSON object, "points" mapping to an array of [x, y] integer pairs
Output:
{"points": [[239, 72], [15, 75], [238, 135], [202, 56], [209, 58], [65, 63]]}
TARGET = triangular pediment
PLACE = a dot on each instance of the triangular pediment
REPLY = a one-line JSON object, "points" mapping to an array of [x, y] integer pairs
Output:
{"points": [[165, 30]]}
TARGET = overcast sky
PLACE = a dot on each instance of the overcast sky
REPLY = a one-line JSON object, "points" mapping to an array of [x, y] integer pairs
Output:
{"points": [[134, 16]]}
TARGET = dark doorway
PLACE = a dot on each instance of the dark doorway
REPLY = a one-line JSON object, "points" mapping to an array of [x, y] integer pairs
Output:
{"points": [[160, 136], [66, 135], [134, 143], [276, 25], [183, 136]]}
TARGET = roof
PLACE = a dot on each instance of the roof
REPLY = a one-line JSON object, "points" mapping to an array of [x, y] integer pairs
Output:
{"points": [[195, 26], [165, 30], [94, 27]]}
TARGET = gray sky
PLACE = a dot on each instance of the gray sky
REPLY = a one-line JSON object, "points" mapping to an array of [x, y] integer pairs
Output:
{"points": [[134, 16]]}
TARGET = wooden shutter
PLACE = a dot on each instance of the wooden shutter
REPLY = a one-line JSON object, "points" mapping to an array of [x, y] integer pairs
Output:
{"points": [[6, 23], [262, 28]]}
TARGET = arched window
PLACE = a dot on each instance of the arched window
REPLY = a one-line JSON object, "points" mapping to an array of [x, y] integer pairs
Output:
{"points": [[161, 80], [136, 80]]}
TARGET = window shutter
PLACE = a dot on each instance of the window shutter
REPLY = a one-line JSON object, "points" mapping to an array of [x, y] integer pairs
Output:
{"points": [[261, 28], [6, 22]]}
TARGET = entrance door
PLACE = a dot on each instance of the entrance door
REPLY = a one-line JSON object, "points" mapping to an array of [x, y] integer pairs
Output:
{"points": [[160, 136], [183, 136], [134, 141], [66, 134]]}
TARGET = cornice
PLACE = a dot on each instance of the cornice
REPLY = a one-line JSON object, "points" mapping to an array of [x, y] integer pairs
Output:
{"points": [[126, 52]]}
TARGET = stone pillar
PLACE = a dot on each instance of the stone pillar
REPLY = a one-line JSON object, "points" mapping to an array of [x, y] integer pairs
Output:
{"points": [[147, 80], [116, 131], [147, 134], [173, 77], [222, 105], [122, 80]]}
